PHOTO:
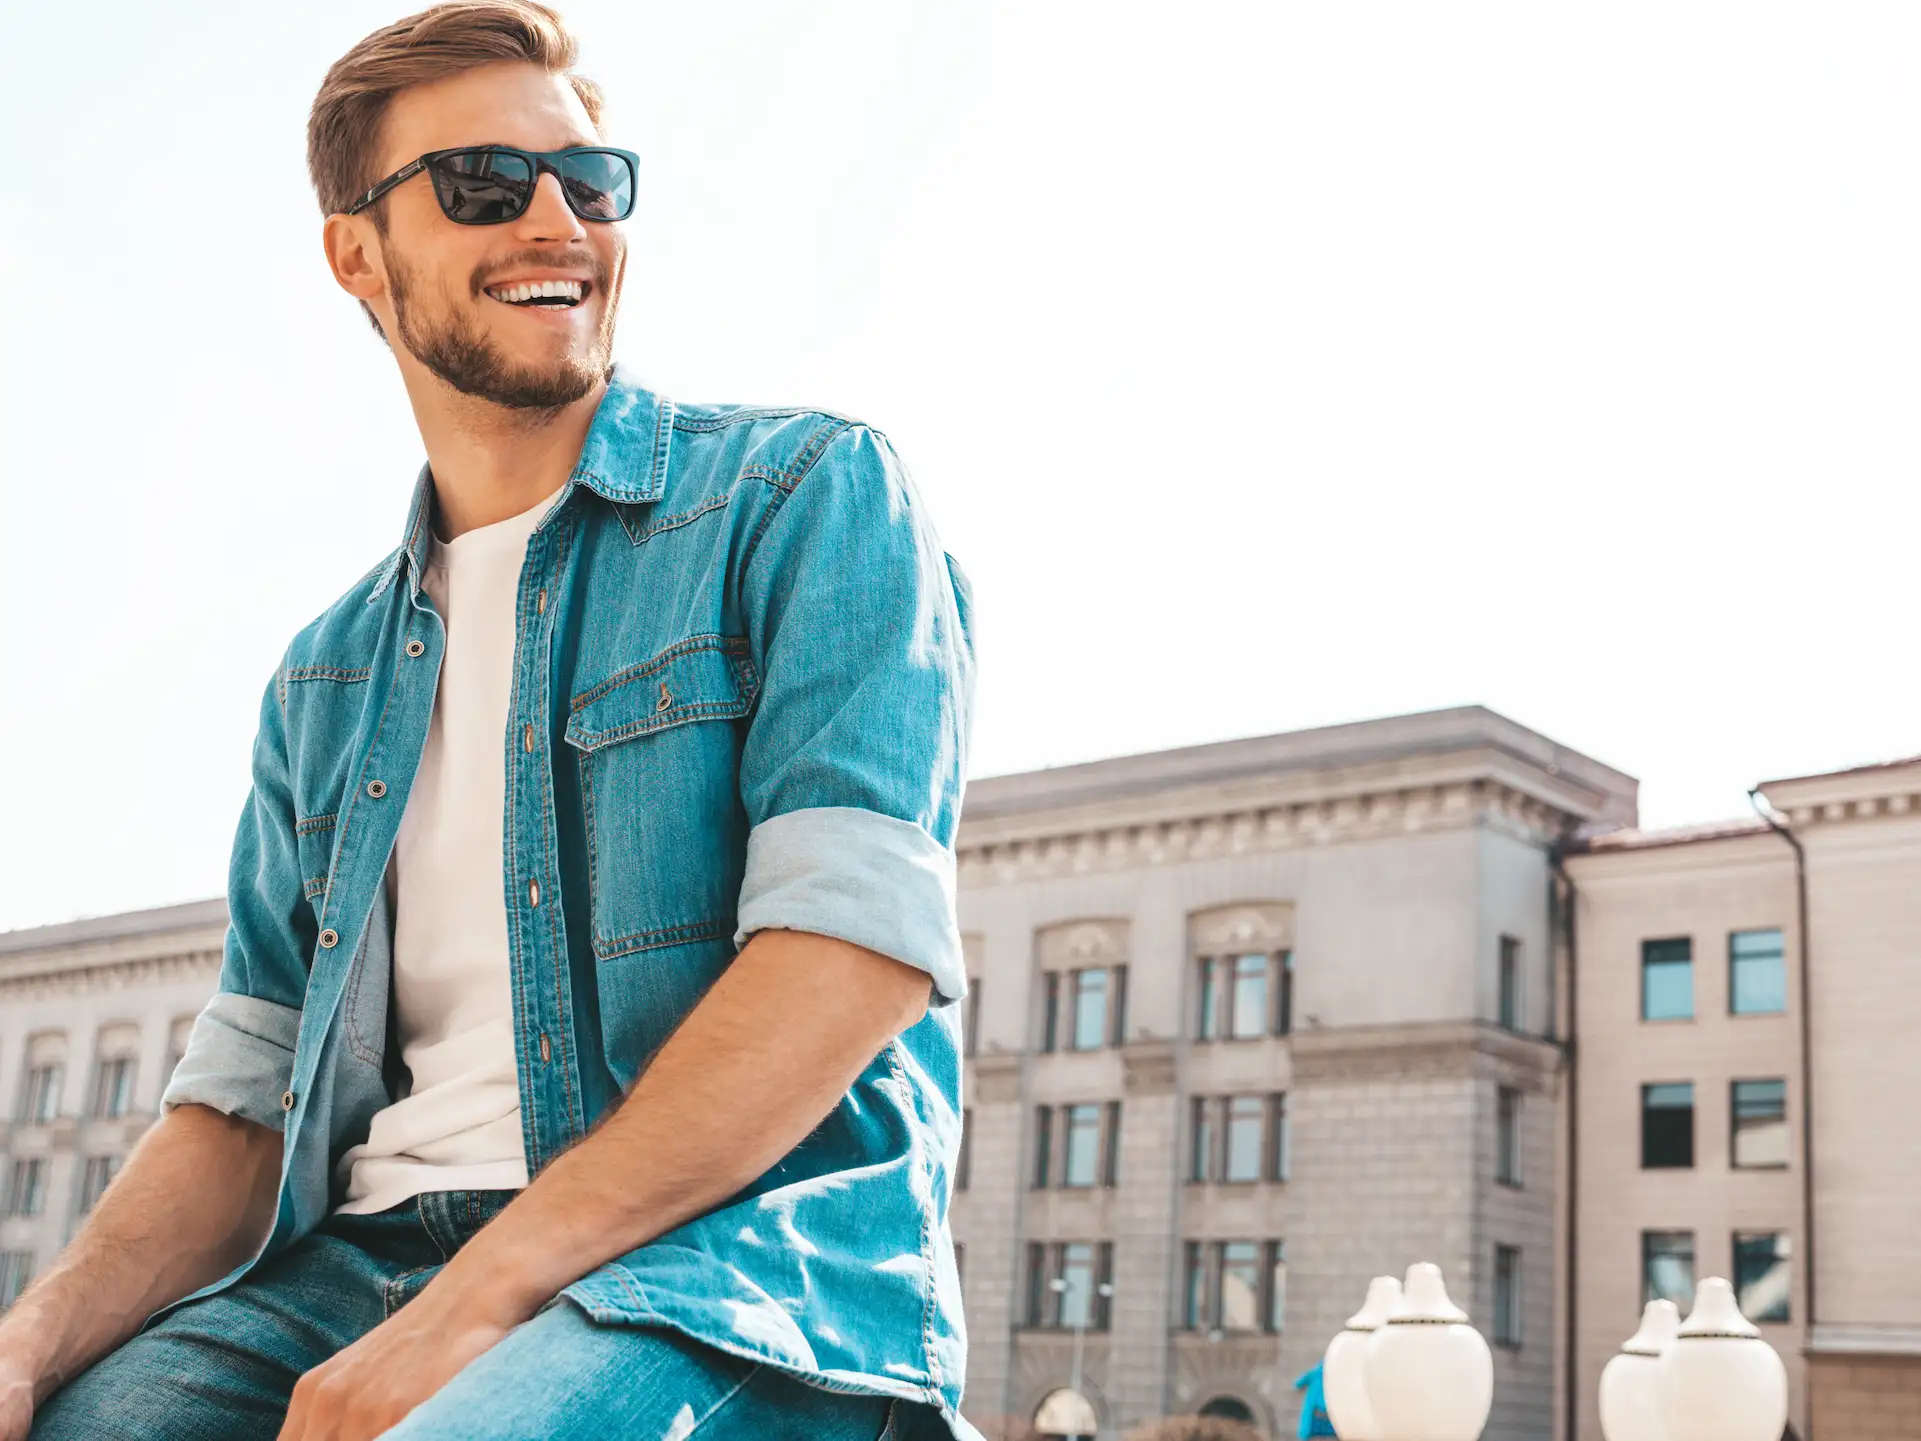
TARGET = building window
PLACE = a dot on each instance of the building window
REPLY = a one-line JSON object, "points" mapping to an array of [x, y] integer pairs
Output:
{"points": [[1235, 1286], [1510, 1005], [1090, 1010], [1759, 1128], [1096, 1008], [113, 1086], [1083, 1127], [1043, 1145], [1667, 1125], [971, 1034], [1279, 1137], [1762, 1274], [1667, 980], [1202, 1155], [1246, 1130], [1111, 1149], [16, 1269], [1507, 1136], [1050, 1008], [1667, 1268], [1757, 974], [26, 1186], [94, 1178], [1245, 996], [1507, 1296], [40, 1100], [963, 1159], [1070, 1284]]}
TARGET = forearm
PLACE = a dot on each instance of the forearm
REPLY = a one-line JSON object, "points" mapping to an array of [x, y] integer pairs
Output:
{"points": [[767, 1053], [194, 1199]]}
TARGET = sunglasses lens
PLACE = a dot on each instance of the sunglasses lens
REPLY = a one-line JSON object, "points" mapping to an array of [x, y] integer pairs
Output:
{"points": [[482, 187], [599, 184]]}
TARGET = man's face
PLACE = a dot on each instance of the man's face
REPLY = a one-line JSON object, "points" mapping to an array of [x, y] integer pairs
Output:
{"points": [[444, 280]]}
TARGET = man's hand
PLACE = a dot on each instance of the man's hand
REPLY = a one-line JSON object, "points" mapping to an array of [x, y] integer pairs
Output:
{"points": [[16, 1399], [371, 1385]]}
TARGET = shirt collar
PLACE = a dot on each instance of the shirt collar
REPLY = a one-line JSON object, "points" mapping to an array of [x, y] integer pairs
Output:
{"points": [[624, 458]]}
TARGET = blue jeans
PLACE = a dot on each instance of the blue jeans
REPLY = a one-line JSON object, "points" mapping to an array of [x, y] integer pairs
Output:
{"points": [[222, 1368]]}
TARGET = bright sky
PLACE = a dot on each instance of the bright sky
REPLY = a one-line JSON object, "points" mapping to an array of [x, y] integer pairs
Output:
{"points": [[1266, 366]]}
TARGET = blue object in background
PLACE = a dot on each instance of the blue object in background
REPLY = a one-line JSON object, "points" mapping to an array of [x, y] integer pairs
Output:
{"points": [[1314, 1420]]}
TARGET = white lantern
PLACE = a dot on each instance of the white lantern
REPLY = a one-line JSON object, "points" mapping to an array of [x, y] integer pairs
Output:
{"points": [[1718, 1380], [1343, 1370], [1630, 1407], [1430, 1375]]}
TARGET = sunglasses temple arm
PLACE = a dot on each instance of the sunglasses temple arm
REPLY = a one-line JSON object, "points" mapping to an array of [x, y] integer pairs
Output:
{"points": [[406, 172]]}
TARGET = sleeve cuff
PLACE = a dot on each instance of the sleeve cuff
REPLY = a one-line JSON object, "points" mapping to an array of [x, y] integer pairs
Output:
{"points": [[858, 876], [239, 1059]]}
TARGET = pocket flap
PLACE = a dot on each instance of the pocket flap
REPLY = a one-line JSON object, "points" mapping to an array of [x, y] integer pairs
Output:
{"points": [[705, 677]]}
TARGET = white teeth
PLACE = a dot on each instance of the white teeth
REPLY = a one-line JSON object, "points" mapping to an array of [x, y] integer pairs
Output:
{"points": [[538, 289]]}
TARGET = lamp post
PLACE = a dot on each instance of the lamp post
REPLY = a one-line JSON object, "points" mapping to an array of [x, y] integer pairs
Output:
{"points": [[1105, 1290], [1712, 1379]]}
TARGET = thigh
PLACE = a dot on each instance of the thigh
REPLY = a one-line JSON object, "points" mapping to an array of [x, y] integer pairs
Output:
{"points": [[222, 1368], [565, 1377]]}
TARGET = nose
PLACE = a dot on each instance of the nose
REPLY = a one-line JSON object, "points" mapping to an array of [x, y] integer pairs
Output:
{"points": [[547, 216]]}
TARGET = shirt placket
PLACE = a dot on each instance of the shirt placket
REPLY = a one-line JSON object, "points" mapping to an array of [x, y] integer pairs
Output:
{"points": [[552, 1116]]}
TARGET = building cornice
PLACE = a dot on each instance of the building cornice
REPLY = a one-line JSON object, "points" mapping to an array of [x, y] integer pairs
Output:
{"points": [[1173, 829], [105, 975], [1868, 793]]}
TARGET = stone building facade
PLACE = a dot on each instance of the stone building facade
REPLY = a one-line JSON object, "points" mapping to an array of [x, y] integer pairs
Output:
{"points": [[1255, 1021]]}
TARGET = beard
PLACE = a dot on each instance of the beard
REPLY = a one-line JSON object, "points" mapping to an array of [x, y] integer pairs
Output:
{"points": [[454, 346]]}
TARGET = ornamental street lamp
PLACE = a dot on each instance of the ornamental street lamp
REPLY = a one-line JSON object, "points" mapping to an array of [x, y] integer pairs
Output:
{"points": [[1059, 1286], [1712, 1379]]}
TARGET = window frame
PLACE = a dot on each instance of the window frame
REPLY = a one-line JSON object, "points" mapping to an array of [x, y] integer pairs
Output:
{"points": [[1505, 1331], [1096, 1148], [1735, 1127], [1648, 945], [1647, 1088], [1648, 1254], [1509, 1000], [1780, 959], [1507, 1137], [1783, 1256]]}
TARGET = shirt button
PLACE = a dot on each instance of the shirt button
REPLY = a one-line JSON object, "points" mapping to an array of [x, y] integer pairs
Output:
{"points": [[540, 601], [533, 892], [527, 738], [415, 647], [376, 789], [286, 1101], [329, 938], [546, 1050]]}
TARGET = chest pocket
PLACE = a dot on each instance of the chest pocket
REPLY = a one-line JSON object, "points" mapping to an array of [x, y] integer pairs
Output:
{"points": [[658, 746]]}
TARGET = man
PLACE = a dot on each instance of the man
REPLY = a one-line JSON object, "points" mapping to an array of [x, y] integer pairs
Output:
{"points": [[584, 1061]]}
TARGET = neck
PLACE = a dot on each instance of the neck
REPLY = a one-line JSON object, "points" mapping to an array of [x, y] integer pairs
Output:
{"points": [[490, 462]]}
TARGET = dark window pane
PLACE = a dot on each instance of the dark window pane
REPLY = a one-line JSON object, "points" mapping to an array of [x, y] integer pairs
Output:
{"points": [[965, 1151], [1757, 974], [1240, 1286], [1510, 1001], [1667, 1268], [1507, 1138], [1050, 1008], [1278, 1138], [1119, 1007], [1090, 1010], [1667, 980], [1762, 1274], [1083, 1146], [1507, 1296], [1043, 1144], [1667, 1125], [971, 1043], [1247, 1003], [1104, 1277], [1760, 1123], [1194, 1291], [1205, 1027], [1111, 1162], [1246, 1120], [1276, 1286], [1036, 1282], [1284, 1013], [1202, 1160]]}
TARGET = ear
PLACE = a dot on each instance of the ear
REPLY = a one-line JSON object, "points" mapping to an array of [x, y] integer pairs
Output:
{"points": [[353, 254]]}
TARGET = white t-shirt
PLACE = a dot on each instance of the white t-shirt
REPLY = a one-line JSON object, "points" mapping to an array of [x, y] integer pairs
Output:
{"points": [[456, 1127]]}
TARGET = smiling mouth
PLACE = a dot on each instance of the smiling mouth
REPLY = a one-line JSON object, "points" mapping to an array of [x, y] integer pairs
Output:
{"points": [[543, 294]]}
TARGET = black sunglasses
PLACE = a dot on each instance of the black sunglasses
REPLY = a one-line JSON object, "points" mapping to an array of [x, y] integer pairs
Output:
{"points": [[491, 184]]}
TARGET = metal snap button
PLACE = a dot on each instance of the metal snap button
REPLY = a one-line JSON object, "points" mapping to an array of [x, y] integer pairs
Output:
{"points": [[286, 1101], [376, 789], [329, 938], [415, 647], [666, 698]]}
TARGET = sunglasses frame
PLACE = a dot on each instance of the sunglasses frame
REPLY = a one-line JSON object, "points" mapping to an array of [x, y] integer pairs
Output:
{"points": [[538, 161]]}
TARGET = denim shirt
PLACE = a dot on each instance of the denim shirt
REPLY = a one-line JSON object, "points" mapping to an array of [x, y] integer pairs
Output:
{"points": [[741, 695]]}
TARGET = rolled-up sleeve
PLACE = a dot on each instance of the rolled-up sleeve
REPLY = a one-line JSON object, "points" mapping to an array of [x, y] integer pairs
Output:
{"points": [[854, 761], [239, 1056]]}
